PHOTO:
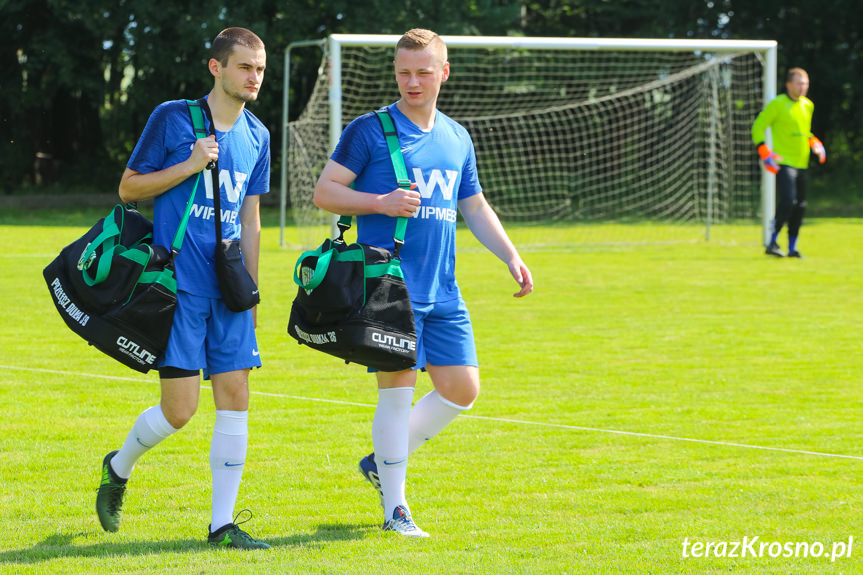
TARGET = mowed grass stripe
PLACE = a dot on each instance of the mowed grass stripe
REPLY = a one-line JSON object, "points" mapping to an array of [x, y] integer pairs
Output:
{"points": [[467, 416]]}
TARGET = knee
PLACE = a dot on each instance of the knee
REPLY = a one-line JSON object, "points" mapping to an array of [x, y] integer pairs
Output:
{"points": [[463, 395], [471, 393], [233, 398], [231, 390], [178, 415]]}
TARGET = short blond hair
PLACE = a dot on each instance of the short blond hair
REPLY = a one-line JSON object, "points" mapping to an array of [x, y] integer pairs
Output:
{"points": [[420, 39]]}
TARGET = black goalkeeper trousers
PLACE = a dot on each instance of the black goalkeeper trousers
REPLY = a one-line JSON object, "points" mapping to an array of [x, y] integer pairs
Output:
{"points": [[790, 199]]}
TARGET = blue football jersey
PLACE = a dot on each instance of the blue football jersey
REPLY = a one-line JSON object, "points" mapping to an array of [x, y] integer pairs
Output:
{"points": [[244, 169], [442, 163]]}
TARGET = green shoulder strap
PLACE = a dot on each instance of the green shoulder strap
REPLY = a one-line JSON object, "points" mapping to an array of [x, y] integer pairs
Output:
{"points": [[402, 178], [398, 165], [200, 132]]}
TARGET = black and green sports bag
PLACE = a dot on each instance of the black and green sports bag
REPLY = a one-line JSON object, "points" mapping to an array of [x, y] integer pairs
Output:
{"points": [[116, 289], [353, 303], [352, 300]]}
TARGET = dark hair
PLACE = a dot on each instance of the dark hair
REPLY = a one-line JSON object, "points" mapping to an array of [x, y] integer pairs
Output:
{"points": [[223, 45]]}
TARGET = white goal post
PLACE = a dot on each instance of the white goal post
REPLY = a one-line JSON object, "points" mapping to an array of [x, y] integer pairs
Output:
{"points": [[566, 129]]}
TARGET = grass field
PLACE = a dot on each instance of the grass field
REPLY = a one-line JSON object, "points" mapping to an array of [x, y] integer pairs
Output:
{"points": [[642, 397]]}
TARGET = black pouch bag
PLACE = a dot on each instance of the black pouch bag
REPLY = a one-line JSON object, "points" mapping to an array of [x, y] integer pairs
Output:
{"points": [[238, 289], [236, 285]]}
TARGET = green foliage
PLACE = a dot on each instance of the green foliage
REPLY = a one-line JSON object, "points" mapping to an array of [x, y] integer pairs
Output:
{"points": [[80, 78]]}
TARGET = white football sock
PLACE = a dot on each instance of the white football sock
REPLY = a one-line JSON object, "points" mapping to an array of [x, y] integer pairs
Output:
{"points": [[429, 416], [150, 428], [227, 457], [390, 440]]}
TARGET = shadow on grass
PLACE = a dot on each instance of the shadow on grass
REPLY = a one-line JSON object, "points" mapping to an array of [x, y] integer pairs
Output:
{"points": [[59, 545]]}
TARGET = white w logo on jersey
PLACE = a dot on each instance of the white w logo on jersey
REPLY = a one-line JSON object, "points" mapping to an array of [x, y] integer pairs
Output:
{"points": [[426, 187], [231, 191]]}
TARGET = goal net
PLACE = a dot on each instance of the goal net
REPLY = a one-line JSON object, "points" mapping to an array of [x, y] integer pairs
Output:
{"points": [[608, 141]]}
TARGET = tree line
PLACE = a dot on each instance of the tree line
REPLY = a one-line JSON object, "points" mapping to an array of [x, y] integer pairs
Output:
{"points": [[79, 79]]}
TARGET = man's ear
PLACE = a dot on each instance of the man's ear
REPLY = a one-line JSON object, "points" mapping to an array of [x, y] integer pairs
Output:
{"points": [[215, 67], [445, 71]]}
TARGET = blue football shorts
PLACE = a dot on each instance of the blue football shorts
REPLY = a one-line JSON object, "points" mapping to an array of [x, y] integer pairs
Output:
{"points": [[444, 334], [207, 335]]}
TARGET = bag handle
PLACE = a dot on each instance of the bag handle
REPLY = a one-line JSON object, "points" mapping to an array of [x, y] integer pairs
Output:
{"points": [[110, 234], [402, 178], [322, 264], [159, 276]]}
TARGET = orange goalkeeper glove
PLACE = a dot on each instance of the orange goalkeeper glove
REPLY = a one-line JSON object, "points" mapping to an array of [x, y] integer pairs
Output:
{"points": [[818, 149], [769, 159]]}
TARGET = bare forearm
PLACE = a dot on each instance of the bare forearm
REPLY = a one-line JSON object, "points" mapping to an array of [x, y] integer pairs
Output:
{"points": [[486, 227], [334, 194], [135, 186], [340, 199], [250, 245], [250, 238]]}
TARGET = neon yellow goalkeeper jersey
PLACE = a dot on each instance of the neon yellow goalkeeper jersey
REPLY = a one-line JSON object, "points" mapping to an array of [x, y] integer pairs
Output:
{"points": [[790, 123]]}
